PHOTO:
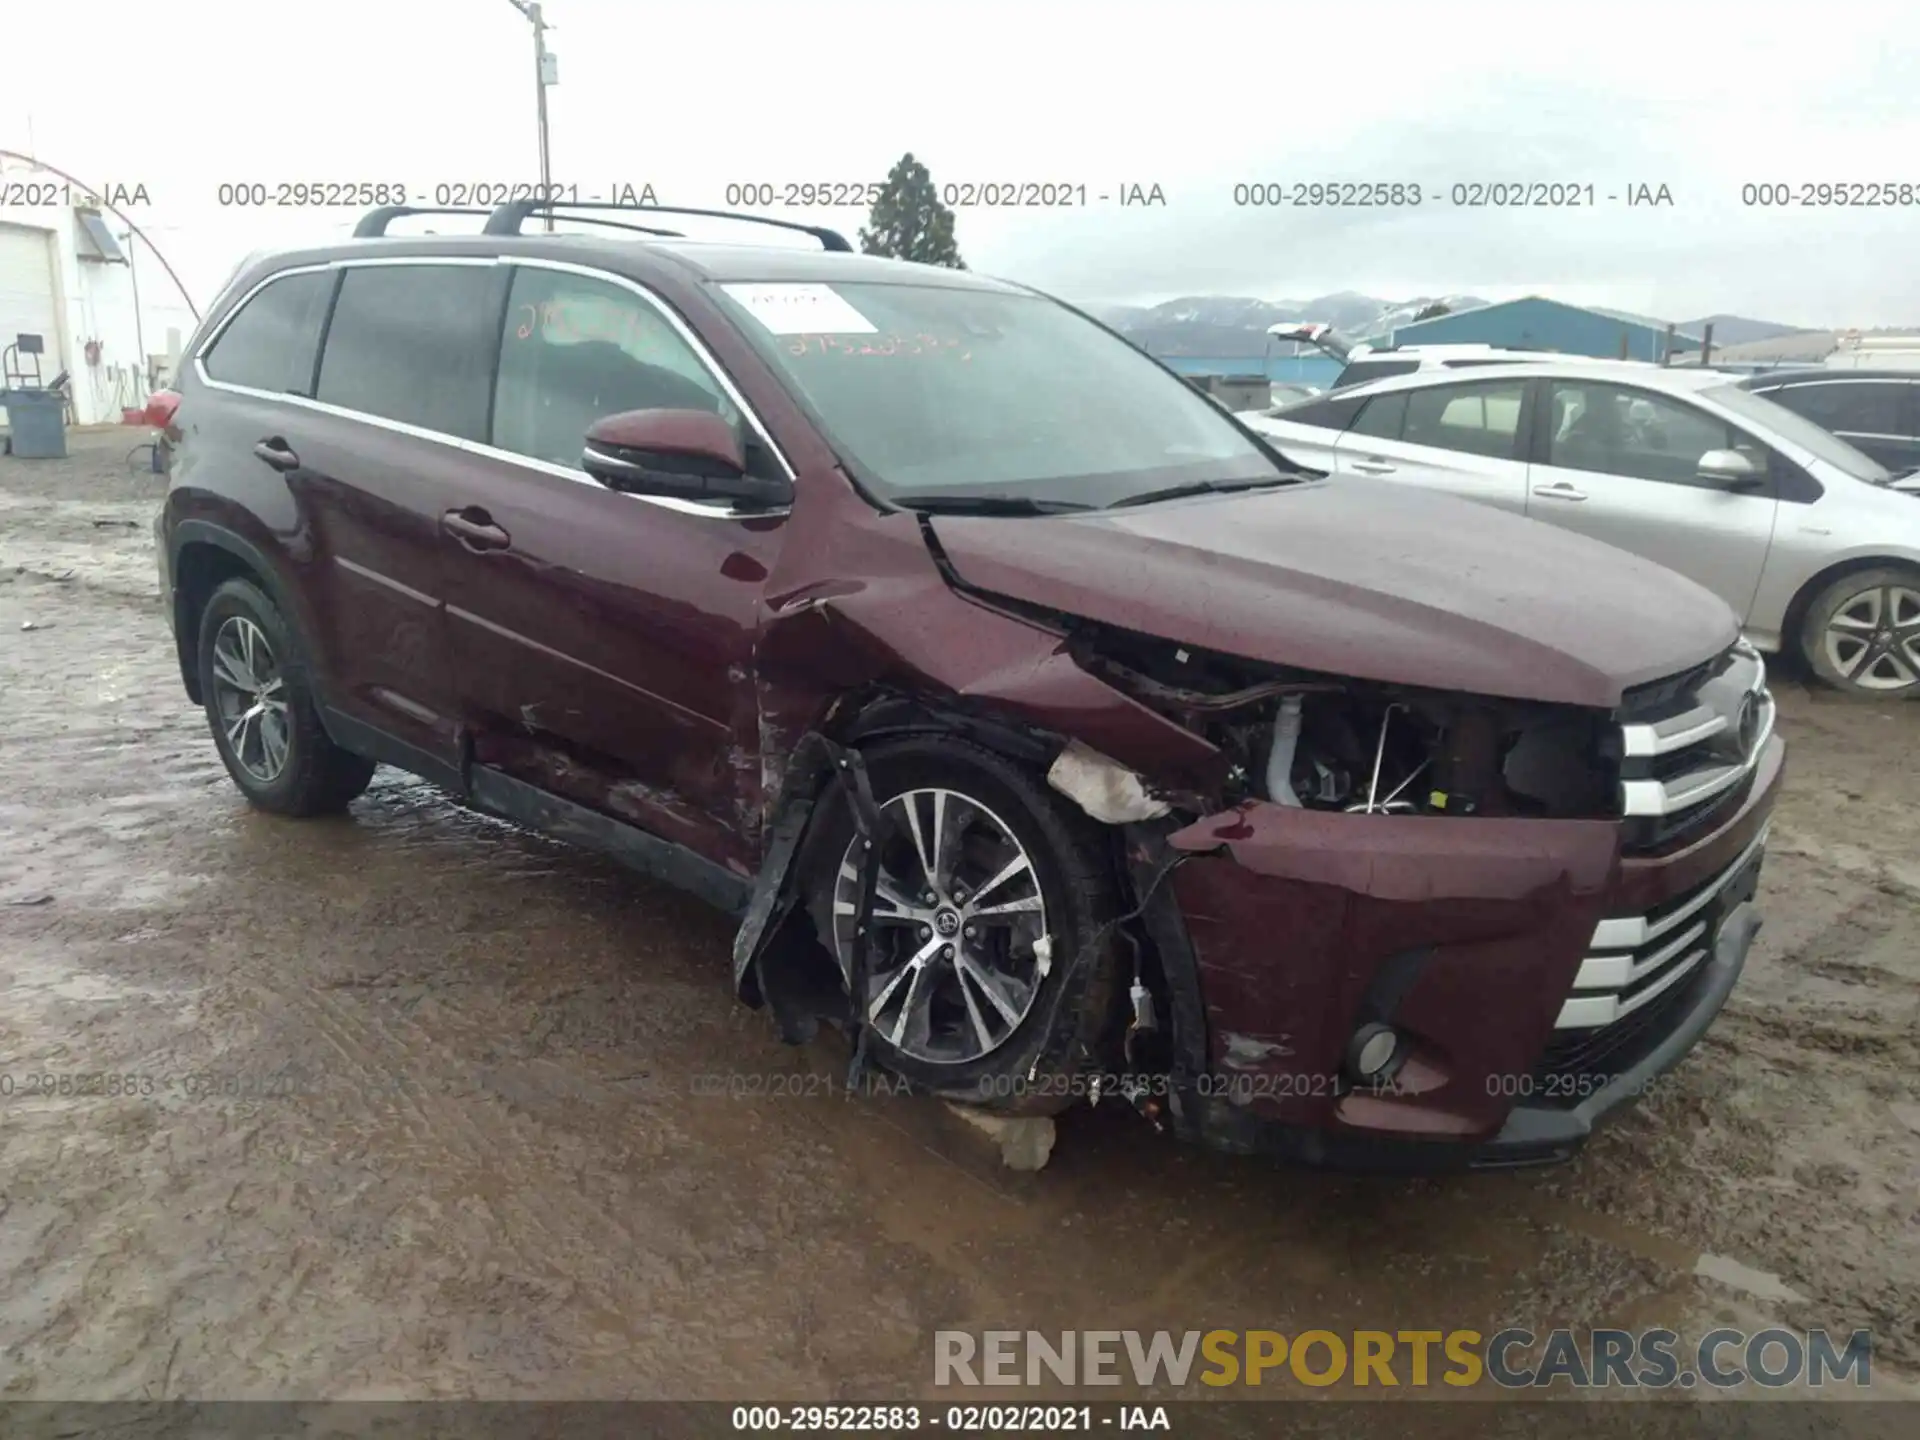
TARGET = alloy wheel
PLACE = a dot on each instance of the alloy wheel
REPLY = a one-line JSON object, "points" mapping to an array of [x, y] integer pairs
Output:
{"points": [[959, 941], [1873, 638], [249, 696]]}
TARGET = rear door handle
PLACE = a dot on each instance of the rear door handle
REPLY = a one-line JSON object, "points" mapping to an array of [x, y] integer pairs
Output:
{"points": [[1560, 490], [277, 453], [474, 528], [1374, 467]]}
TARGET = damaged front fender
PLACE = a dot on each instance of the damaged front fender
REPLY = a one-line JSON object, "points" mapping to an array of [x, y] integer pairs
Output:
{"points": [[840, 663]]}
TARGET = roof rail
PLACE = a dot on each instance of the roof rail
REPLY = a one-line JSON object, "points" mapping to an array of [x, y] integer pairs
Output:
{"points": [[375, 222], [623, 225], [508, 218]]}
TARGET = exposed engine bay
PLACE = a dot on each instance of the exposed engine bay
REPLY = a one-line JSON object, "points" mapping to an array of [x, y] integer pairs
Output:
{"points": [[1328, 743]]}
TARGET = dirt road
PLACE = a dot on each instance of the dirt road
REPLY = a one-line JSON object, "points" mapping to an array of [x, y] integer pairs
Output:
{"points": [[411, 1107]]}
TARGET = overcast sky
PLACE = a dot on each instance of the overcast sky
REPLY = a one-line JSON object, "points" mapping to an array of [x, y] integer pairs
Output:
{"points": [[1694, 94]]}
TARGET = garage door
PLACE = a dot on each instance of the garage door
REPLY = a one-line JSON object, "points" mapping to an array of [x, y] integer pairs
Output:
{"points": [[26, 292]]}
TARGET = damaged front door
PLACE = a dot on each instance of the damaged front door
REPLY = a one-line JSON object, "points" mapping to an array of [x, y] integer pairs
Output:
{"points": [[603, 640]]}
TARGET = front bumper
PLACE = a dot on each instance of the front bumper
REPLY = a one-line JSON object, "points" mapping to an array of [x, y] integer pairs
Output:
{"points": [[1539, 981]]}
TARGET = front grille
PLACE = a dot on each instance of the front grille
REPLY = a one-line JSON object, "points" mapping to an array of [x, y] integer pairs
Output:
{"points": [[1689, 745]]}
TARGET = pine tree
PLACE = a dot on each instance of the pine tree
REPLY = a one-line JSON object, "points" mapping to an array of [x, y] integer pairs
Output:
{"points": [[908, 222]]}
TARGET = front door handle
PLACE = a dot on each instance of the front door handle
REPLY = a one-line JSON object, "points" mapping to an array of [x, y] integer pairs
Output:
{"points": [[277, 453], [474, 528], [1374, 467], [1559, 490]]}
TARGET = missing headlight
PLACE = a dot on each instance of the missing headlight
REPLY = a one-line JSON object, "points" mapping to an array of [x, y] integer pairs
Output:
{"points": [[1379, 753], [1322, 742], [1351, 752]]}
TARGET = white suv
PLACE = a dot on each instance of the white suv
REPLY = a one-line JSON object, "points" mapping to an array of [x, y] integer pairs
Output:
{"points": [[1364, 362]]}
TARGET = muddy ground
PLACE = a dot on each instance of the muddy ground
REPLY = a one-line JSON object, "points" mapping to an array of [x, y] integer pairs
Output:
{"points": [[483, 1172]]}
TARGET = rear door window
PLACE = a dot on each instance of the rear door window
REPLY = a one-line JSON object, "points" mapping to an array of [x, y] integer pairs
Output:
{"points": [[415, 343], [1478, 419], [270, 343]]}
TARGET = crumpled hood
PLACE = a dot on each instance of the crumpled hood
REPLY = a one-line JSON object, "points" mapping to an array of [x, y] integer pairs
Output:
{"points": [[1365, 579]]}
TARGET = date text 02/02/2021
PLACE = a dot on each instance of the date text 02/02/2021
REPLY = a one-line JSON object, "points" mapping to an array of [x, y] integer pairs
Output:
{"points": [[1039, 1419], [1060, 194]]}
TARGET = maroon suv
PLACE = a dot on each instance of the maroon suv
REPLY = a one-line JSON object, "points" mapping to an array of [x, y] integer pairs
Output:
{"points": [[986, 671]]}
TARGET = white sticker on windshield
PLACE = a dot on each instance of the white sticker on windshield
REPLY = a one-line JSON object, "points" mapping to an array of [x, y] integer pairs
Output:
{"points": [[791, 309]]}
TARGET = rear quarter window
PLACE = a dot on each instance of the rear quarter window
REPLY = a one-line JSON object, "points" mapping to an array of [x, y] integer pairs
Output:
{"points": [[269, 343], [1360, 371], [1383, 416], [1862, 407], [1327, 412]]}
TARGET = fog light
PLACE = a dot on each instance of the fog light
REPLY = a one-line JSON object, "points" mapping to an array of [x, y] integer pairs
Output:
{"points": [[1372, 1051]]}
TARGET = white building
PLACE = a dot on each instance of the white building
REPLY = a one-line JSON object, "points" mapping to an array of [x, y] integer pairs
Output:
{"points": [[69, 274]]}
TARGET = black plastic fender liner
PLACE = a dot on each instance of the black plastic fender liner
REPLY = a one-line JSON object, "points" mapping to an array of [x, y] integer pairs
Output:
{"points": [[810, 768], [1150, 861], [772, 966], [866, 819]]}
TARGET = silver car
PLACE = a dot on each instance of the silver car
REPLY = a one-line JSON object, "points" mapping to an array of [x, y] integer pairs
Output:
{"points": [[1813, 543]]}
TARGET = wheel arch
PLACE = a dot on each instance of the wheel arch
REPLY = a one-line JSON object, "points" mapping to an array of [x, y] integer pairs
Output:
{"points": [[203, 557], [1795, 616], [815, 769]]}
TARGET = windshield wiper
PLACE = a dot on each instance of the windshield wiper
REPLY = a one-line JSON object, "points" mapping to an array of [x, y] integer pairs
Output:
{"points": [[1207, 487], [987, 505]]}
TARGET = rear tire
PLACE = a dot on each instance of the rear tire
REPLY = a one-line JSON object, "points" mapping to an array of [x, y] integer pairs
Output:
{"points": [[1861, 634], [997, 990], [260, 707]]}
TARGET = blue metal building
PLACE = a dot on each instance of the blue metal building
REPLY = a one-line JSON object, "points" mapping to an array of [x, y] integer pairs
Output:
{"points": [[1534, 322]]}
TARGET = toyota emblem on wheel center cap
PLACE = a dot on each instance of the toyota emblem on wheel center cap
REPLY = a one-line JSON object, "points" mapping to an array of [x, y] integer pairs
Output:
{"points": [[947, 922]]}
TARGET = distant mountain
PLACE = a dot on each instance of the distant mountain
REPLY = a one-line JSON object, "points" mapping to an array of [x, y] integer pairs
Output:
{"points": [[1236, 327], [1738, 330]]}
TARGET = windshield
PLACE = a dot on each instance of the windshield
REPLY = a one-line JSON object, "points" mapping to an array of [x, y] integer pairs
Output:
{"points": [[928, 390], [1801, 431]]}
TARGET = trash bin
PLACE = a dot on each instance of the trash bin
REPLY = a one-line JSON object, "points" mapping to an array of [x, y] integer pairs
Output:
{"points": [[36, 423]]}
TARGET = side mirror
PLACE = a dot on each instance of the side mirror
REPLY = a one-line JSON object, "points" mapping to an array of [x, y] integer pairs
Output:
{"points": [[1730, 469], [686, 454]]}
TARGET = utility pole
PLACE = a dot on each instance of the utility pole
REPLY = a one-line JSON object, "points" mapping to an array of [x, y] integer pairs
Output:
{"points": [[545, 73]]}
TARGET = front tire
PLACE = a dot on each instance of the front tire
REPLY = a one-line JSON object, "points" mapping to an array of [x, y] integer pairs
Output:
{"points": [[992, 970], [1861, 634], [260, 706]]}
